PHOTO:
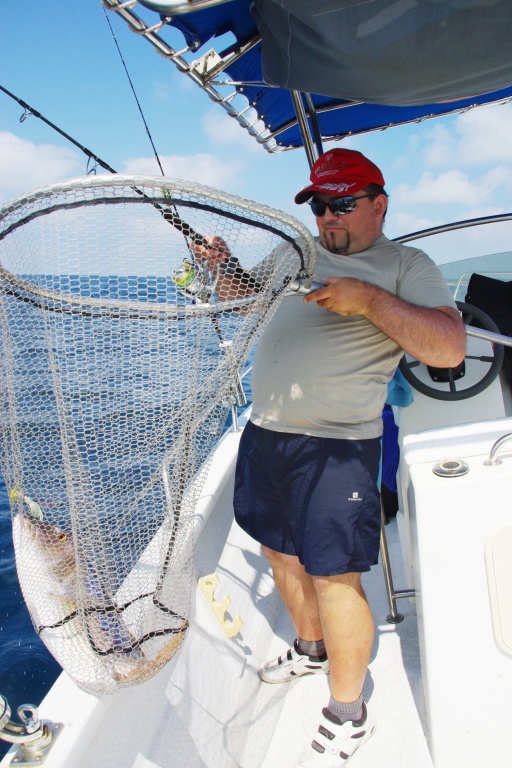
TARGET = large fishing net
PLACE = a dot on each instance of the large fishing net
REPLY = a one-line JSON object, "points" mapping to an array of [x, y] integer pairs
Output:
{"points": [[128, 306]]}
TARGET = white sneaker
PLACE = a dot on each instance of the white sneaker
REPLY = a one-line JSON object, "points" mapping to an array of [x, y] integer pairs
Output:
{"points": [[334, 743], [293, 664]]}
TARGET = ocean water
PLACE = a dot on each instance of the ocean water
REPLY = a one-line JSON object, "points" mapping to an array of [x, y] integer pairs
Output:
{"points": [[27, 669]]}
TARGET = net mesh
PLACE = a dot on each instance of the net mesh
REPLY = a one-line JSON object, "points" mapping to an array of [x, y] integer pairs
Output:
{"points": [[122, 337]]}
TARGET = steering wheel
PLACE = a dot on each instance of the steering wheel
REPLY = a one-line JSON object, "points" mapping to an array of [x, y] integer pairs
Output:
{"points": [[469, 313]]}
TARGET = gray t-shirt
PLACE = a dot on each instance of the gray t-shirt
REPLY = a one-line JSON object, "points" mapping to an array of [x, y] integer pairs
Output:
{"points": [[319, 373]]}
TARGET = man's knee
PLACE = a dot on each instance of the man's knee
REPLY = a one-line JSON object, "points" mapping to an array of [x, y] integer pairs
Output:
{"points": [[279, 557], [285, 566], [324, 584]]}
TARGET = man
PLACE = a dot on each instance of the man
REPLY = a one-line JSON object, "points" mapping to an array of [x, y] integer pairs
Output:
{"points": [[306, 484]]}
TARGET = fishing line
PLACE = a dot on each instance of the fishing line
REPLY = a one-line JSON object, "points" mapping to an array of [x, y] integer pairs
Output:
{"points": [[169, 212], [189, 271], [157, 157], [134, 92]]}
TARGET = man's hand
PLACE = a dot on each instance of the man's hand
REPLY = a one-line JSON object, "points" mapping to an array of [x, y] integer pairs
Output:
{"points": [[230, 279], [344, 295], [434, 335], [217, 252]]}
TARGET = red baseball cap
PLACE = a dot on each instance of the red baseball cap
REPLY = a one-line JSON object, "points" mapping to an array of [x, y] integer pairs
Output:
{"points": [[341, 172]]}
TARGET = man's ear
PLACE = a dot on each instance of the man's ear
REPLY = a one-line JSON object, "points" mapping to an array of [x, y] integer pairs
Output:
{"points": [[380, 205]]}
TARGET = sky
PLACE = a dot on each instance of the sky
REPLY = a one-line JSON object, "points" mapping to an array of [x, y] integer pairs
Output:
{"points": [[60, 58]]}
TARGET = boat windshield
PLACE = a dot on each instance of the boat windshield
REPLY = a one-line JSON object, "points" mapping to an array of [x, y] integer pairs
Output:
{"points": [[457, 274], [461, 249]]}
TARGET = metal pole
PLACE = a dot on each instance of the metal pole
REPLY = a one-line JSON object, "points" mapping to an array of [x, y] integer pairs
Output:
{"points": [[302, 122], [394, 617]]}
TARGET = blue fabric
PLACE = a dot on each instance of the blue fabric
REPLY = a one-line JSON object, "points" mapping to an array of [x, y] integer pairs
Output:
{"points": [[314, 497], [340, 115], [390, 449], [399, 391]]}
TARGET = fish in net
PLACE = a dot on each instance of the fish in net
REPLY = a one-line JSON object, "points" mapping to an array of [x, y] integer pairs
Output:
{"points": [[119, 361]]}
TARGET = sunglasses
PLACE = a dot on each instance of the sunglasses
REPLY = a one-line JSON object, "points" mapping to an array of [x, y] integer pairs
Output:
{"points": [[338, 205]]}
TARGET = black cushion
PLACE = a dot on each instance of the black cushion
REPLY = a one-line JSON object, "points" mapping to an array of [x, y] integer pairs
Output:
{"points": [[494, 297]]}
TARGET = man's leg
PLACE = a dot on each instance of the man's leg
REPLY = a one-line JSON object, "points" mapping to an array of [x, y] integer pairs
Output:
{"points": [[347, 627], [307, 656], [345, 724], [333, 608], [298, 592]]}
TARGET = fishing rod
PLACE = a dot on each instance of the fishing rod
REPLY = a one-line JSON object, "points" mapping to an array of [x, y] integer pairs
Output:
{"points": [[35, 113], [172, 217]]}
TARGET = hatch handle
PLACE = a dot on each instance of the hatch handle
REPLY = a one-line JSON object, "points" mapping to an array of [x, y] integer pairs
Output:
{"points": [[493, 461]]}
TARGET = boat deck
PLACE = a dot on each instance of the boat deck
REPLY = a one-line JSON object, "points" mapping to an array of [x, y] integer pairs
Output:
{"points": [[392, 688], [208, 708]]}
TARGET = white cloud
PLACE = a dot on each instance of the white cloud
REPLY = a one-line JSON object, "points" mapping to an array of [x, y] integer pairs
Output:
{"points": [[478, 137], [439, 148], [468, 243], [453, 187], [24, 165], [498, 178], [161, 92], [456, 188], [202, 167], [145, 166], [402, 223], [484, 135], [224, 131]]}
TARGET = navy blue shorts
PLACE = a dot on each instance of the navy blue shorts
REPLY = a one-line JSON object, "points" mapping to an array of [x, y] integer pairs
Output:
{"points": [[313, 497]]}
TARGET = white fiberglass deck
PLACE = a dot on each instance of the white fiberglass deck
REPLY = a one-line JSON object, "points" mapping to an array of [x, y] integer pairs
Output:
{"points": [[208, 708], [461, 552]]}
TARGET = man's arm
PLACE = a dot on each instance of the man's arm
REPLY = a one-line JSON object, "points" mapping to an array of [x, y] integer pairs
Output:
{"points": [[434, 336], [230, 279]]}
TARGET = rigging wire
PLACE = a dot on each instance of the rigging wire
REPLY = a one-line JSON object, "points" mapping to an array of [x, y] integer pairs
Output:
{"points": [[134, 93]]}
